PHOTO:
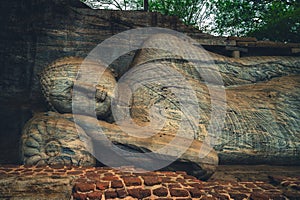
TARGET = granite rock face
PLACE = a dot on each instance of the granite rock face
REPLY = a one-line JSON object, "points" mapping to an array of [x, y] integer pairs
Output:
{"points": [[111, 146], [245, 120], [164, 148], [192, 62], [55, 141], [57, 81], [257, 113], [262, 123], [41, 187], [36, 33], [251, 70]]}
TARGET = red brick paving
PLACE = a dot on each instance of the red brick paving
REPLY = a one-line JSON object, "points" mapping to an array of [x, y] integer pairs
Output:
{"points": [[105, 183]]}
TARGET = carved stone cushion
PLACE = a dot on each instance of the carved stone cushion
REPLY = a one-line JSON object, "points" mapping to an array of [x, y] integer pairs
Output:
{"points": [[54, 139], [57, 81], [48, 140]]}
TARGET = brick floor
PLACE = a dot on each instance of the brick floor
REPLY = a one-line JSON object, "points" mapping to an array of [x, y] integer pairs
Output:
{"points": [[105, 183]]}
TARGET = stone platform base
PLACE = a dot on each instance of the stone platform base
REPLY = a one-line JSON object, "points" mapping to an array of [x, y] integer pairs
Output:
{"points": [[229, 182]]}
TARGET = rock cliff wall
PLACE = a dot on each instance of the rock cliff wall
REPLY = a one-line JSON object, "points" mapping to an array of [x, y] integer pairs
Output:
{"points": [[35, 33]]}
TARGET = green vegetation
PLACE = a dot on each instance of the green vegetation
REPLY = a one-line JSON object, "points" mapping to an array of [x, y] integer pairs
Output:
{"points": [[115, 4], [277, 20], [192, 12]]}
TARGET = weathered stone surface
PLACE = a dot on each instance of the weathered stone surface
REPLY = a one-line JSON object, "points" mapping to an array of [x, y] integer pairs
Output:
{"points": [[57, 82], [260, 109], [40, 187], [35, 33], [262, 123], [251, 70], [50, 140], [197, 63], [29, 44], [198, 159], [276, 175]]}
